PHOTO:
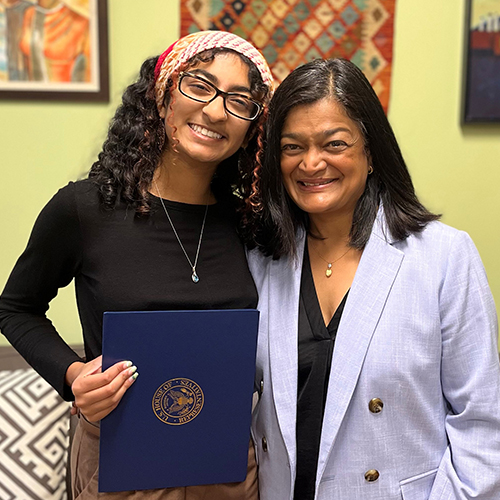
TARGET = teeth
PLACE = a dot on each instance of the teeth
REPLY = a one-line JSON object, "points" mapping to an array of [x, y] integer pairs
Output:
{"points": [[206, 132], [316, 183]]}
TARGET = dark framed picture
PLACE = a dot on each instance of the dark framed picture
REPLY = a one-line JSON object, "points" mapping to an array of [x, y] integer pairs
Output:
{"points": [[481, 99], [54, 50]]}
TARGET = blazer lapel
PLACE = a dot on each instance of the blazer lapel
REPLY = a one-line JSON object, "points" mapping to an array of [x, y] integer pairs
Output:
{"points": [[377, 270], [283, 339]]}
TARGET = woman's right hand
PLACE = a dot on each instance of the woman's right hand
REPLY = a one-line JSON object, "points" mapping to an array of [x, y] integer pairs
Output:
{"points": [[97, 393]]}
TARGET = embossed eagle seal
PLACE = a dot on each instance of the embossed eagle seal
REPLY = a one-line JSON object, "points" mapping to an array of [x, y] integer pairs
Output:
{"points": [[178, 401]]}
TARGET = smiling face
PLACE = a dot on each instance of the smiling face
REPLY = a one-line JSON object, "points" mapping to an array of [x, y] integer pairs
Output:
{"points": [[204, 133], [323, 159]]}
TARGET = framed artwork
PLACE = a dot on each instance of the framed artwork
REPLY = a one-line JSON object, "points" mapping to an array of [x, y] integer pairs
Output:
{"points": [[481, 100], [54, 50]]}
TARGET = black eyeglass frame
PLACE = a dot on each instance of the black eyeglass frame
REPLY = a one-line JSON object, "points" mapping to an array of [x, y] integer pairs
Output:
{"points": [[219, 92]]}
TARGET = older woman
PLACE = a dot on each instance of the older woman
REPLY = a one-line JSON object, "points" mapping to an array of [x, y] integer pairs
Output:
{"points": [[377, 356], [154, 227]]}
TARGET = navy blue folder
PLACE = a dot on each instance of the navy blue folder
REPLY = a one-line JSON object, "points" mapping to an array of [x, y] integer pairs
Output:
{"points": [[186, 419]]}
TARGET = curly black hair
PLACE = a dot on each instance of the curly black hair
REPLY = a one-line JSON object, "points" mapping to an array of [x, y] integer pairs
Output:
{"points": [[136, 140]]}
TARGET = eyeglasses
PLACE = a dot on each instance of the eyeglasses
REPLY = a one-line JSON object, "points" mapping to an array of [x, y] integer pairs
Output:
{"points": [[198, 89]]}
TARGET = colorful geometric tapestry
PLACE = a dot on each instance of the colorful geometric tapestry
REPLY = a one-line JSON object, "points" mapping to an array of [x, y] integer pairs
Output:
{"points": [[292, 32]]}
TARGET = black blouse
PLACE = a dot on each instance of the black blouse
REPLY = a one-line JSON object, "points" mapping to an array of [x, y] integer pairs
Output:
{"points": [[316, 342]]}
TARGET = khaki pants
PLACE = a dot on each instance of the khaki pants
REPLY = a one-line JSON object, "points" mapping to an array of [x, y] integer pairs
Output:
{"points": [[85, 473]]}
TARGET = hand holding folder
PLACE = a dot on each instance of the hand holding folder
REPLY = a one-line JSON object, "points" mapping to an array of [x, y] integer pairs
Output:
{"points": [[186, 420], [97, 393]]}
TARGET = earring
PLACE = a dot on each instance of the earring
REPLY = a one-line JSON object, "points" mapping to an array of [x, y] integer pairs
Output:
{"points": [[370, 169]]}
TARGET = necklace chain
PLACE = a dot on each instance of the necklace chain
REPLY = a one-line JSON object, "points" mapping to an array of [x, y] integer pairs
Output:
{"points": [[329, 264], [194, 275]]}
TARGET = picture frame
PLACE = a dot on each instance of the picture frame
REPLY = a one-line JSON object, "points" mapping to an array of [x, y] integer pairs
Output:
{"points": [[481, 78], [54, 51]]}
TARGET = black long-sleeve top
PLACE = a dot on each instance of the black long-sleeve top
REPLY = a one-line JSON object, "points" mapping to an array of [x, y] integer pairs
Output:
{"points": [[118, 261]]}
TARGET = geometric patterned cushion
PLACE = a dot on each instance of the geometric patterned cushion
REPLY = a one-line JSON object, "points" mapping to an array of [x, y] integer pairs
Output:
{"points": [[34, 438]]}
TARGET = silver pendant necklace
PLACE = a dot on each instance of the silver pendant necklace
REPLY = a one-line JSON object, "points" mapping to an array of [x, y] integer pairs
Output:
{"points": [[194, 276]]}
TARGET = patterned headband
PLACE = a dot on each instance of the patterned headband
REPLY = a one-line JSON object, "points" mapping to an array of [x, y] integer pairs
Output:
{"points": [[187, 47]]}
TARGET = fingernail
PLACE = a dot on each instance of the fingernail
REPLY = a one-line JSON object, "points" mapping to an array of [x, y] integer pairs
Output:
{"points": [[134, 376], [127, 364], [132, 370]]}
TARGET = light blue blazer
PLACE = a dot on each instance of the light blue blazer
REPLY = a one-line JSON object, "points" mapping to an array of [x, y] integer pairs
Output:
{"points": [[419, 332]]}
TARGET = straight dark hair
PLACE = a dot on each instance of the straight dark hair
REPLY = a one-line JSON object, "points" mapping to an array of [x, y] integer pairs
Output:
{"points": [[390, 183]]}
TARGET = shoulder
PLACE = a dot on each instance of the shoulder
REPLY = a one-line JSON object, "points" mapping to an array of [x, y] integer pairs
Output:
{"points": [[286, 266], [85, 188], [438, 238], [437, 230], [444, 252], [59, 219], [258, 264], [75, 191], [61, 205], [70, 202]]}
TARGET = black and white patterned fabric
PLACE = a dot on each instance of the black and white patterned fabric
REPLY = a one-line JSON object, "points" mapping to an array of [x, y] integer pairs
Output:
{"points": [[34, 438]]}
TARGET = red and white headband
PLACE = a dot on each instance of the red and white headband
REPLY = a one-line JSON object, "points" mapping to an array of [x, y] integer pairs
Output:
{"points": [[187, 47]]}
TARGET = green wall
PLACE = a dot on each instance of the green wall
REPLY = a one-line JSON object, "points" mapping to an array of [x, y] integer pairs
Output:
{"points": [[456, 170]]}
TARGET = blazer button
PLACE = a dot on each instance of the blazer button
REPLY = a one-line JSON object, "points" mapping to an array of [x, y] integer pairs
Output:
{"points": [[261, 386], [264, 444], [372, 475], [376, 405]]}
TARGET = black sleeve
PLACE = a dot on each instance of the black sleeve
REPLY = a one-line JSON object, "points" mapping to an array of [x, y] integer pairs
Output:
{"points": [[51, 260]]}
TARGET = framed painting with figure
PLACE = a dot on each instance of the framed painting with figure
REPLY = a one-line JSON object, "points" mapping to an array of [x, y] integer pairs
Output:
{"points": [[481, 102], [54, 50]]}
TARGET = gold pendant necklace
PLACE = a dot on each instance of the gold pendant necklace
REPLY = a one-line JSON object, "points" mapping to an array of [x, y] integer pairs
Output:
{"points": [[329, 264]]}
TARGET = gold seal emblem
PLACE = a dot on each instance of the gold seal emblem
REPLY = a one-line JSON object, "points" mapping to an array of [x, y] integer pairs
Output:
{"points": [[178, 401]]}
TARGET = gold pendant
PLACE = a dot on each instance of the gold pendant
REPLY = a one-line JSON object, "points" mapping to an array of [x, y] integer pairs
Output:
{"points": [[328, 271]]}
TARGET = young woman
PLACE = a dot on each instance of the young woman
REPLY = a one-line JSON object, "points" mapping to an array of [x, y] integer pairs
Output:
{"points": [[377, 351], [154, 227]]}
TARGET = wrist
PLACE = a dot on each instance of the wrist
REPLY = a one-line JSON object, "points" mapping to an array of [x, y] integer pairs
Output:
{"points": [[73, 371]]}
